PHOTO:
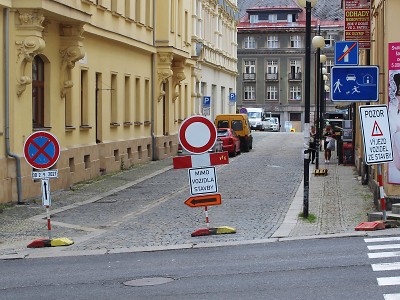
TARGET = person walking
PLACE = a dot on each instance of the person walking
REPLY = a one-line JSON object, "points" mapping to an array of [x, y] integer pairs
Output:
{"points": [[328, 136], [312, 144]]}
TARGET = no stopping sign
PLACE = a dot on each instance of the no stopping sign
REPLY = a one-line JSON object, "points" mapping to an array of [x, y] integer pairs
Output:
{"points": [[41, 150], [197, 134]]}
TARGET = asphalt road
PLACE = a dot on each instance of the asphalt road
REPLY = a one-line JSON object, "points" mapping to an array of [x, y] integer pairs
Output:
{"points": [[304, 269]]}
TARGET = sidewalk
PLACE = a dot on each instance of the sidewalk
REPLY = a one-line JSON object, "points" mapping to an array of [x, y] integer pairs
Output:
{"points": [[338, 201]]}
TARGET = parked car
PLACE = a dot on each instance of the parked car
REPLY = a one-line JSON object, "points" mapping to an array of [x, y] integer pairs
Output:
{"points": [[239, 123], [216, 148], [230, 140]]}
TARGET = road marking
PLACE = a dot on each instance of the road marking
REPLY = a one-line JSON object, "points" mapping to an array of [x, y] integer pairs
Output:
{"points": [[388, 280], [391, 296], [383, 247], [384, 254], [386, 266], [379, 240]]}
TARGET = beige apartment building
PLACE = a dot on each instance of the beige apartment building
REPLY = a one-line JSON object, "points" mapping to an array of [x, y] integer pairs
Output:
{"points": [[111, 79], [385, 53]]}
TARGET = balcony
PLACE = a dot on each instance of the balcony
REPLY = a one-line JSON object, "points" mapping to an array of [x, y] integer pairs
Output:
{"points": [[271, 77], [249, 76], [294, 76]]}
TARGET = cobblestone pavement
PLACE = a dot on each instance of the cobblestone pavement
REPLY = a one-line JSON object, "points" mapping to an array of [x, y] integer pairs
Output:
{"points": [[142, 208]]}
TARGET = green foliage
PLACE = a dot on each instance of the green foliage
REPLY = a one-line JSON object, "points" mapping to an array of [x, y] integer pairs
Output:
{"points": [[311, 218]]}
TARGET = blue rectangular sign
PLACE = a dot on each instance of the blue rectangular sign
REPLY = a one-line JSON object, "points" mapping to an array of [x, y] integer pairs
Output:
{"points": [[206, 101], [357, 84], [346, 53]]}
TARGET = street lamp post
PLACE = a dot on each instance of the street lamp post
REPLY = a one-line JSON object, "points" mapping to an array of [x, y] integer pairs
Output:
{"points": [[307, 4], [318, 42]]}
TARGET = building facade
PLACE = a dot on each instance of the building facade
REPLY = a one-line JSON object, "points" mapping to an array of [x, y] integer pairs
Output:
{"points": [[271, 54], [112, 80], [384, 53]]}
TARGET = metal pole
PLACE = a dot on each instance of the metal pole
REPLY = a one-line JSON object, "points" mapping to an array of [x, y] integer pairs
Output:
{"points": [[307, 111], [319, 95], [381, 192]]}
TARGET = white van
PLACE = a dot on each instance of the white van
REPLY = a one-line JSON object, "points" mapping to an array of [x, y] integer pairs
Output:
{"points": [[258, 119]]}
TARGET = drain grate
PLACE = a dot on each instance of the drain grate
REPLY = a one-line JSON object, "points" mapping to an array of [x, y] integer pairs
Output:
{"points": [[148, 281]]}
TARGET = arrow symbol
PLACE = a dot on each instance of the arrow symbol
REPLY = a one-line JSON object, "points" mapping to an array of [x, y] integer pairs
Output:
{"points": [[346, 51], [206, 200]]}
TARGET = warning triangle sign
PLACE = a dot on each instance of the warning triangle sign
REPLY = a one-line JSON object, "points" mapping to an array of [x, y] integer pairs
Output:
{"points": [[376, 130]]}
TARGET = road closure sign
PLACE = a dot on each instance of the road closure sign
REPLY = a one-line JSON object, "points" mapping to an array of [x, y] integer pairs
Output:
{"points": [[203, 181], [376, 134]]}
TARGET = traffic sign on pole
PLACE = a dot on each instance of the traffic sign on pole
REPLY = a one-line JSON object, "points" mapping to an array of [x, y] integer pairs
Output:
{"points": [[357, 83], [203, 181], [197, 134], [346, 53], [205, 200], [376, 134], [41, 150]]}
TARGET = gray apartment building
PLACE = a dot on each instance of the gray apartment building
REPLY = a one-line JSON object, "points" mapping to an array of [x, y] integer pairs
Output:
{"points": [[271, 55]]}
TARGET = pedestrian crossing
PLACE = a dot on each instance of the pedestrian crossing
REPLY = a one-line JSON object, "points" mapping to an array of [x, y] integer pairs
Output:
{"points": [[385, 254]]}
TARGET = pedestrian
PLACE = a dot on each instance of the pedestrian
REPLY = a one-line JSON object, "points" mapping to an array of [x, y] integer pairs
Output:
{"points": [[328, 136], [312, 144]]}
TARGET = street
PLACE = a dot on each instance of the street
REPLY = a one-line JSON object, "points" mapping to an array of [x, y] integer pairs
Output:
{"points": [[304, 269]]}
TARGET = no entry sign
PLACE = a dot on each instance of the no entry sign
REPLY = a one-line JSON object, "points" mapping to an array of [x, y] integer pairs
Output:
{"points": [[197, 134], [41, 150]]}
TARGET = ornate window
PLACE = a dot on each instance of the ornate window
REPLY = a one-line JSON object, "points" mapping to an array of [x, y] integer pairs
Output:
{"points": [[38, 92]]}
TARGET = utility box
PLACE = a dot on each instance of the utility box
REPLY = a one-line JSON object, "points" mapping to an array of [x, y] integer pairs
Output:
{"points": [[348, 154]]}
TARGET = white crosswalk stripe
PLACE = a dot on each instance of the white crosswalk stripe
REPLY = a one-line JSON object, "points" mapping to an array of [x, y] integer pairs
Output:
{"points": [[379, 247]]}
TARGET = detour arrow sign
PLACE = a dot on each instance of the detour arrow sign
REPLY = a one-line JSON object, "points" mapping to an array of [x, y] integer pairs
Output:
{"points": [[205, 200]]}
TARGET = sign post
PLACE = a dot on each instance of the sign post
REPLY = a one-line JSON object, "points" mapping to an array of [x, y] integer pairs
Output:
{"points": [[198, 135], [42, 151], [377, 141]]}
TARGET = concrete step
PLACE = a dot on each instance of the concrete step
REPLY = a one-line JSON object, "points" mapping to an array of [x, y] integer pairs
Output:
{"points": [[396, 208], [378, 216]]}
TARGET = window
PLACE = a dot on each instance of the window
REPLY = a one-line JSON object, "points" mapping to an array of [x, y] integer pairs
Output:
{"points": [[295, 93], [295, 41], [295, 117], [114, 99], [249, 92], [127, 96], [329, 40], [253, 18], [249, 66], [84, 99], [249, 42], [272, 67], [272, 92], [272, 18], [37, 92], [328, 65], [272, 41], [295, 69]]}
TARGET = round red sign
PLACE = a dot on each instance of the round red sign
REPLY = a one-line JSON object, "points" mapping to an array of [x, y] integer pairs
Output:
{"points": [[197, 134], [41, 150]]}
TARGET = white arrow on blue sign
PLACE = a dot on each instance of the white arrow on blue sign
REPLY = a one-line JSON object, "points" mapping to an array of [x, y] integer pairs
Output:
{"points": [[357, 83], [346, 53]]}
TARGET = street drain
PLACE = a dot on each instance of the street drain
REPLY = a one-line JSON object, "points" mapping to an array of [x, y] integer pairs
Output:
{"points": [[148, 281]]}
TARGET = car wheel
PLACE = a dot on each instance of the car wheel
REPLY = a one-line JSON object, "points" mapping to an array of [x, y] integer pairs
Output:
{"points": [[233, 153]]}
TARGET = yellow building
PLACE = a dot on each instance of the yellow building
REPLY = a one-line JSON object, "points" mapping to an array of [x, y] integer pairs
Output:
{"points": [[112, 80], [385, 37]]}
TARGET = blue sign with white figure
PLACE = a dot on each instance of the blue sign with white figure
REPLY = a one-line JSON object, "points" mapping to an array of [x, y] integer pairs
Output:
{"points": [[346, 53], [206, 101], [358, 83]]}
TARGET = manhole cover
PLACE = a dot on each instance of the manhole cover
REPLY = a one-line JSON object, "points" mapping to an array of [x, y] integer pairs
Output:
{"points": [[148, 281]]}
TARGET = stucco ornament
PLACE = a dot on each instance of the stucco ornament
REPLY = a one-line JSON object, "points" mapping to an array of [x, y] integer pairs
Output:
{"points": [[27, 50], [71, 37], [29, 43], [164, 71], [179, 75]]}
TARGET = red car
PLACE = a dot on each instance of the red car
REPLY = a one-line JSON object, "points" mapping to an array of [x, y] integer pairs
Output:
{"points": [[230, 140]]}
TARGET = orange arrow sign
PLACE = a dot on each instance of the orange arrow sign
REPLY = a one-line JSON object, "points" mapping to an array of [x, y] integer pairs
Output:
{"points": [[205, 200]]}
